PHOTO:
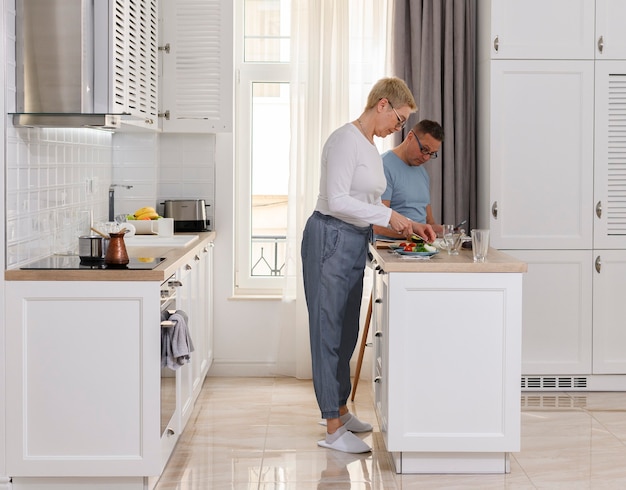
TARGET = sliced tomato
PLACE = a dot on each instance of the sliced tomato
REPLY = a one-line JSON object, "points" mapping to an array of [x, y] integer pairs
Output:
{"points": [[409, 248]]}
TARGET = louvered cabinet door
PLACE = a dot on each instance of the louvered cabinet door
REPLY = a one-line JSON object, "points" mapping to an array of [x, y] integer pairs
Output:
{"points": [[196, 49], [131, 71], [610, 155]]}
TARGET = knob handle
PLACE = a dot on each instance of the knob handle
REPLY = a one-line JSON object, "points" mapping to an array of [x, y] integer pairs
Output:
{"points": [[601, 44], [169, 432], [598, 264], [496, 43], [599, 209], [378, 379], [494, 210]]}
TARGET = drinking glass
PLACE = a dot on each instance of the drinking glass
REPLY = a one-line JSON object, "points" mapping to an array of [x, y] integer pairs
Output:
{"points": [[455, 243], [448, 237], [480, 244]]}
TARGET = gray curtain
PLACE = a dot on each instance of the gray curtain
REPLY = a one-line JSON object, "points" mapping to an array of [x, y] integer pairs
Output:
{"points": [[434, 51]]}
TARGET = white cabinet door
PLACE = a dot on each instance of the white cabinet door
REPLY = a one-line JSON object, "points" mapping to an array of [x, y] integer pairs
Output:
{"points": [[542, 29], [610, 29], [541, 154], [83, 395], [557, 313], [185, 372], [438, 358], [380, 322], [131, 61], [609, 321], [208, 302], [197, 66], [610, 155]]}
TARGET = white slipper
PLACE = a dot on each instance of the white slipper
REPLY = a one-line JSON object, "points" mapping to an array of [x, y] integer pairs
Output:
{"points": [[352, 424], [346, 442]]}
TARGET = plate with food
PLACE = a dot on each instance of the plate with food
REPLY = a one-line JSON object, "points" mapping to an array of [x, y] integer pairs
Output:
{"points": [[415, 249]]}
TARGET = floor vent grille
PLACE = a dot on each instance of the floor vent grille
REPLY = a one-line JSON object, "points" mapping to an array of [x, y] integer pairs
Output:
{"points": [[554, 382]]}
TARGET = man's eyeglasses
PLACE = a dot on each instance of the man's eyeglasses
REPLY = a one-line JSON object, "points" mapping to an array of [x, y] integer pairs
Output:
{"points": [[431, 154], [401, 122]]}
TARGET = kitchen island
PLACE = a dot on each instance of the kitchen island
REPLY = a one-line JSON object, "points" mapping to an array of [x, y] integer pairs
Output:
{"points": [[447, 360], [88, 404]]}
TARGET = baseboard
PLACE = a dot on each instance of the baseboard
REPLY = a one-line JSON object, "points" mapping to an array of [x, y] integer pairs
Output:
{"points": [[245, 369]]}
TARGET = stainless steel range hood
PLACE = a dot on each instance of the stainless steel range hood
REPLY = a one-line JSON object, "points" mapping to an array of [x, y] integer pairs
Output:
{"points": [[63, 65]]}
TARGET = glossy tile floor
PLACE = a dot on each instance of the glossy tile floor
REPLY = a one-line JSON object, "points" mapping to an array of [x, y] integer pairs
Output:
{"points": [[261, 433]]}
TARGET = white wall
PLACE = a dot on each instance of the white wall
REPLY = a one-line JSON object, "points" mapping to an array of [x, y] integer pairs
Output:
{"points": [[3, 63]]}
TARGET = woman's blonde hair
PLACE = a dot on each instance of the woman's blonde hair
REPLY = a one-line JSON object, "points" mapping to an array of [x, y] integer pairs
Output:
{"points": [[395, 90]]}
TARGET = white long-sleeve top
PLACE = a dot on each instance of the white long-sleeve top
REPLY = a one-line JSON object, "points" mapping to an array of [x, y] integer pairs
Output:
{"points": [[352, 179]]}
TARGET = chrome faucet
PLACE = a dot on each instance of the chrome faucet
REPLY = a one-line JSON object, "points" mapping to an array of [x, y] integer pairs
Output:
{"points": [[112, 199]]}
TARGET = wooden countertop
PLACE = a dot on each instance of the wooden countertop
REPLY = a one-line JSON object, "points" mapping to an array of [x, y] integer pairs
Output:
{"points": [[496, 261], [174, 258]]}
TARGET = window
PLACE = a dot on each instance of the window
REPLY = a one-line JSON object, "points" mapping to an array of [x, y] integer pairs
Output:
{"points": [[261, 143]]}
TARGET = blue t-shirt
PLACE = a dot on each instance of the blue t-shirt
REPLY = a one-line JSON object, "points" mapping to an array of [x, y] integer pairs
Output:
{"points": [[408, 188]]}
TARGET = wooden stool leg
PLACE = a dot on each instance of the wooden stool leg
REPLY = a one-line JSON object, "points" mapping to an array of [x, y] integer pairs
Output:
{"points": [[359, 361]]}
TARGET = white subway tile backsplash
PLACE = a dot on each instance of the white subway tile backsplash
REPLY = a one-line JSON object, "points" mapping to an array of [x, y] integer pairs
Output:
{"points": [[56, 177], [46, 193]]}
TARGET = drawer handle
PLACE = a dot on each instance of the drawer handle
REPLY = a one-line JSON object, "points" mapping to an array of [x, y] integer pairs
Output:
{"points": [[167, 324], [175, 284]]}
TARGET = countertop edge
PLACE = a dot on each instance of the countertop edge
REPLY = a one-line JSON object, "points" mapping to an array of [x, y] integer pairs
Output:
{"points": [[175, 258], [496, 262]]}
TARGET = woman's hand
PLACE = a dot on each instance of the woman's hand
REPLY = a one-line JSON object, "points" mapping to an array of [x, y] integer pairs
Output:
{"points": [[425, 231], [401, 224]]}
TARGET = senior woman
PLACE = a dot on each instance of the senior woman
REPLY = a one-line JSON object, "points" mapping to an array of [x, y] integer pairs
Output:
{"points": [[334, 251]]}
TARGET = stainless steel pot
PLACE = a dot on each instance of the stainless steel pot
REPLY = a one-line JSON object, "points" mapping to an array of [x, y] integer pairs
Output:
{"points": [[92, 247]]}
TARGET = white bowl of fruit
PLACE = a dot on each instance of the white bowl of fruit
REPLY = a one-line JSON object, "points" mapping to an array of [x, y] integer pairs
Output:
{"points": [[142, 220]]}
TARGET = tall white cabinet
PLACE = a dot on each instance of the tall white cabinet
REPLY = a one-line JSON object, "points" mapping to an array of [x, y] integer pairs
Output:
{"points": [[552, 185]]}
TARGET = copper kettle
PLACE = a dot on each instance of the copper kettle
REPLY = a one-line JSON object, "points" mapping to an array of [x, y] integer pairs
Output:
{"points": [[116, 253]]}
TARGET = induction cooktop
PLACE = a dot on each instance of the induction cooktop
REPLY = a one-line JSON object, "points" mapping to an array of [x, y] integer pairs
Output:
{"points": [[73, 262]]}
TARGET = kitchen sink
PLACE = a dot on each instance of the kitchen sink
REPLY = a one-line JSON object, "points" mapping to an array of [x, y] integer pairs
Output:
{"points": [[159, 241]]}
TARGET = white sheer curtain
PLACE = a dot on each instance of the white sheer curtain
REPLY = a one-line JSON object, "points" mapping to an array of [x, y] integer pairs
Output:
{"points": [[337, 54]]}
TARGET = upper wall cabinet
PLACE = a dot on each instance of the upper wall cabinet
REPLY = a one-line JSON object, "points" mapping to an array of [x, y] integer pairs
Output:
{"points": [[196, 46], [610, 29], [134, 59], [558, 29], [542, 29]]}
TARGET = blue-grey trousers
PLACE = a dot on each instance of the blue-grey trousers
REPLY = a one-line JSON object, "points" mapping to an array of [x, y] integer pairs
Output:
{"points": [[333, 261]]}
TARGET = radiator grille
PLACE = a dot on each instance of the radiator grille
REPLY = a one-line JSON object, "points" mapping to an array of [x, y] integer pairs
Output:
{"points": [[554, 382]]}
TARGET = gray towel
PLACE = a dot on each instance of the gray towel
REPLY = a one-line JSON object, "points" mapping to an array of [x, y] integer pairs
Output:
{"points": [[176, 343]]}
